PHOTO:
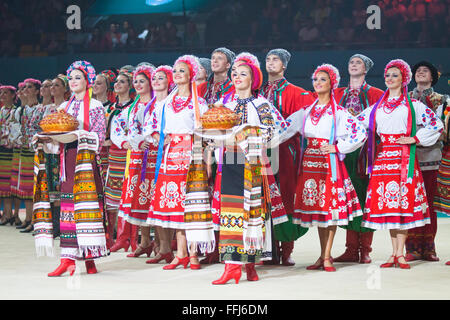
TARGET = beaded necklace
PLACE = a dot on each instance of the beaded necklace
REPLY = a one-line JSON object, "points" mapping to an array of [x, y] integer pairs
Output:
{"points": [[389, 106], [176, 105], [317, 114]]}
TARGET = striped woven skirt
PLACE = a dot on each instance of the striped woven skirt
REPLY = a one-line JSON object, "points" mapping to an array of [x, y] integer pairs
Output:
{"points": [[117, 161], [6, 156], [392, 204], [15, 171], [52, 171], [231, 242], [319, 201], [441, 201], [70, 248], [26, 175], [137, 194], [167, 209], [104, 162]]}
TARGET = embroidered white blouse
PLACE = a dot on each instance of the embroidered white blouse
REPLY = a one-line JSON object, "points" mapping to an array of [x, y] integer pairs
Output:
{"points": [[97, 119], [350, 133], [429, 126], [177, 122]]}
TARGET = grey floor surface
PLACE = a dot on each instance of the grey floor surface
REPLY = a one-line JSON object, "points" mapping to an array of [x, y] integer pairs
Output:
{"points": [[24, 276]]}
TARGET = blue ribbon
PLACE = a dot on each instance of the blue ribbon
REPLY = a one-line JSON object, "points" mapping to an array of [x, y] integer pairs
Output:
{"points": [[144, 161], [161, 144], [333, 155]]}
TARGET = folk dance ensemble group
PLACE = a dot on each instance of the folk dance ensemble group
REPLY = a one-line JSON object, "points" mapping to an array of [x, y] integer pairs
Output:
{"points": [[355, 157]]}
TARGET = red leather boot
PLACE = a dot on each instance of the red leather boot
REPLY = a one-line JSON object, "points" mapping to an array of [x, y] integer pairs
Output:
{"points": [[251, 272], [90, 267], [123, 236], [351, 253], [66, 265], [232, 271], [286, 250], [365, 248], [134, 236], [111, 216]]}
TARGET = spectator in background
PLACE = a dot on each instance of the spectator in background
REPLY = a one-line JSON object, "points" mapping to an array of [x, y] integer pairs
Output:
{"points": [[321, 12], [133, 41], [170, 39], [96, 41], [112, 37], [346, 33], [359, 16], [191, 35], [401, 36], [124, 33], [308, 33]]}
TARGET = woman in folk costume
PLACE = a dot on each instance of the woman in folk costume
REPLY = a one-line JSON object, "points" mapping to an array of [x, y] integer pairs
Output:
{"points": [[117, 159], [442, 199], [14, 138], [174, 125], [26, 182], [245, 194], [103, 91], [325, 196], [162, 84], [81, 219], [278, 213], [396, 198], [60, 93], [141, 156], [7, 99]]}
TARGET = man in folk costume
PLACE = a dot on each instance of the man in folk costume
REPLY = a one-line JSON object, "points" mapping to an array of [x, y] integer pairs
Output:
{"points": [[420, 242], [218, 84], [287, 98], [356, 98]]}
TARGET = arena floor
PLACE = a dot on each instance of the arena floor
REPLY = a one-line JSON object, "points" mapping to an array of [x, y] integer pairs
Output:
{"points": [[21, 273]]}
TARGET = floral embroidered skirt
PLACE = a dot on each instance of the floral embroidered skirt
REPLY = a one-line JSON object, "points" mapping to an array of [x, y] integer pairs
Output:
{"points": [[319, 201], [167, 209], [392, 204], [137, 191]]}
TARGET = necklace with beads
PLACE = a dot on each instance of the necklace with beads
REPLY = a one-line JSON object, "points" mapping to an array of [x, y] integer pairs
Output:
{"points": [[390, 106], [317, 114], [180, 105]]}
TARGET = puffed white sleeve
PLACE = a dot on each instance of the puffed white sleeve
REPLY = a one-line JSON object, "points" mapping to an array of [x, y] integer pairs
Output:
{"points": [[152, 121], [294, 124], [364, 117], [430, 125], [136, 123], [350, 132], [119, 128]]}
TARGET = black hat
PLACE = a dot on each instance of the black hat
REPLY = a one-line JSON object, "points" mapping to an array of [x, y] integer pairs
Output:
{"points": [[434, 72]]}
